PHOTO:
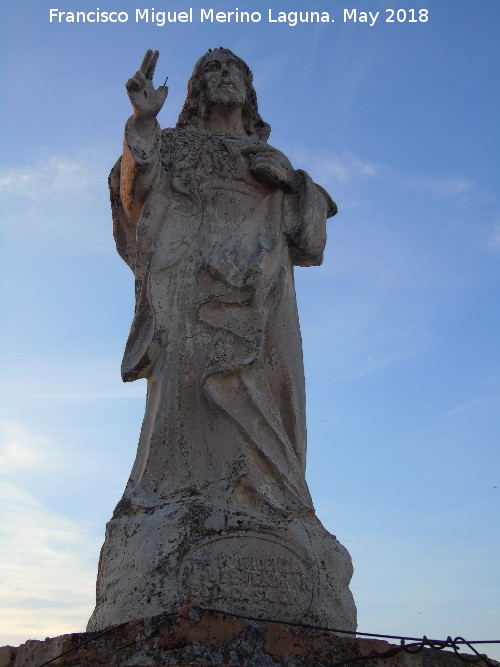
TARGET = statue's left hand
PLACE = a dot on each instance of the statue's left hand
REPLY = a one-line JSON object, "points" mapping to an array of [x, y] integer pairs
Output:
{"points": [[272, 167]]}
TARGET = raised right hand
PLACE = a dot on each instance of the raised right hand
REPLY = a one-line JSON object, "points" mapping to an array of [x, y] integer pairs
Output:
{"points": [[146, 100]]}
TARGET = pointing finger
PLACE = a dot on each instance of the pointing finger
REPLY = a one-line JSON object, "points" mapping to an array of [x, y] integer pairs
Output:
{"points": [[146, 61], [152, 65]]}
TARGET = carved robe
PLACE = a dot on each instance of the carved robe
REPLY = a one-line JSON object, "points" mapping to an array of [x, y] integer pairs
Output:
{"points": [[215, 330]]}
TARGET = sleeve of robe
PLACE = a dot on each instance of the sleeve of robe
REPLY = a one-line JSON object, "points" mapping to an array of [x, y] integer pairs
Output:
{"points": [[130, 182], [305, 214]]}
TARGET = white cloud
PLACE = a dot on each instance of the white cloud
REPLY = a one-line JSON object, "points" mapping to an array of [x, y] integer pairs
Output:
{"points": [[345, 168], [447, 188], [57, 201], [49, 379], [56, 175], [47, 569], [39, 464], [22, 449], [348, 167], [134, 392]]}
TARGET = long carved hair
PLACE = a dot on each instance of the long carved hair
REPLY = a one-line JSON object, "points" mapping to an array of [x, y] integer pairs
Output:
{"points": [[195, 110]]}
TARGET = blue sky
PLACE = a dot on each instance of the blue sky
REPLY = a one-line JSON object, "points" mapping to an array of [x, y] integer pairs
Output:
{"points": [[400, 324]]}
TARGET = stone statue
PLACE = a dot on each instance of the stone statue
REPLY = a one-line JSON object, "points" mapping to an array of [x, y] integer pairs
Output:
{"points": [[212, 219]]}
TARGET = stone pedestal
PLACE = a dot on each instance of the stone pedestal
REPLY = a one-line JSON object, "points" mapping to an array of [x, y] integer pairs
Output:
{"points": [[208, 639], [267, 566]]}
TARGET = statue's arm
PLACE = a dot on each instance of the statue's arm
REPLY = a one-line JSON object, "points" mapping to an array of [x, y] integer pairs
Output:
{"points": [[306, 206], [306, 213], [141, 147], [139, 166]]}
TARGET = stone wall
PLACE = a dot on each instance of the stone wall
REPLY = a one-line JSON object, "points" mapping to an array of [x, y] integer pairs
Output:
{"points": [[199, 637]]}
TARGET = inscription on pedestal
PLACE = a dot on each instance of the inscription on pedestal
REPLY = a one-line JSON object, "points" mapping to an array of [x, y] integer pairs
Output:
{"points": [[247, 570]]}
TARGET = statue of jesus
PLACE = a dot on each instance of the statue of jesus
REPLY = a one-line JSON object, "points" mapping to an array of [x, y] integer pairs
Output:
{"points": [[212, 220]]}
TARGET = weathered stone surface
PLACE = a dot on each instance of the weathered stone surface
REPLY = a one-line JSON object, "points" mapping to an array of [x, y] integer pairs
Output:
{"points": [[198, 637], [212, 221], [201, 553]]}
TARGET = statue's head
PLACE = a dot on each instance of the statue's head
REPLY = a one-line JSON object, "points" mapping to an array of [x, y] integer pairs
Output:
{"points": [[220, 77]]}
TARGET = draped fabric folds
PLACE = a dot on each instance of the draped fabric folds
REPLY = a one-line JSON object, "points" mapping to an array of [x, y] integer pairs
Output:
{"points": [[215, 329]]}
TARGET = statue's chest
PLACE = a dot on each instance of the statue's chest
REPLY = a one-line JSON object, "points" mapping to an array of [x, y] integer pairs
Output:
{"points": [[221, 157]]}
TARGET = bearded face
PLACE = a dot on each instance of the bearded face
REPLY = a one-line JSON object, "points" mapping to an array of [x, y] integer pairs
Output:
{"points": [[223, 80]]}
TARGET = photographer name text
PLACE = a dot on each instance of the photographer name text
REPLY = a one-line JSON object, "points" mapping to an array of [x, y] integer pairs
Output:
{"points": [[211, 15]]}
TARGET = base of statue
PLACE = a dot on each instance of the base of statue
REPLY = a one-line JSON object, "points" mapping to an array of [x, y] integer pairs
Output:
{"points": [[266, 566], [194, 636]]}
